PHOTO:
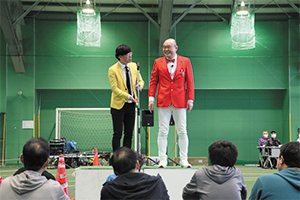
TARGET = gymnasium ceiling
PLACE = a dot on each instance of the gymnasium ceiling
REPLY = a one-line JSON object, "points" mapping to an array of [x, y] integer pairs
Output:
{"points": [[134, 10], [164, 14]]}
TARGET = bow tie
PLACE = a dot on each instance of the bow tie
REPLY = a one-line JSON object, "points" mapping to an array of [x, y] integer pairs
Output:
{"points": [[170, 60]]}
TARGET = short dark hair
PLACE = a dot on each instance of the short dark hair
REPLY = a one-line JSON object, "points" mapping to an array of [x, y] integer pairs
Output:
{"points": [[222, 153], [291, 154], [123, 160], [35, 153], [273, 132], [122, 50]]}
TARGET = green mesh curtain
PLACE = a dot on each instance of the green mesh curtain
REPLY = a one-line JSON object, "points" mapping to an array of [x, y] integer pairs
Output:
{"points": [[88, 29]]}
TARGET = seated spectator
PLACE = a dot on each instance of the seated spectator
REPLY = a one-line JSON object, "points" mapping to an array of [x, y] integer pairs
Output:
{"points": [[30, 184], [273, 141], [113, 176], [130, 182], [262, 141], [284, 184], [69, 146], [221, 180]]}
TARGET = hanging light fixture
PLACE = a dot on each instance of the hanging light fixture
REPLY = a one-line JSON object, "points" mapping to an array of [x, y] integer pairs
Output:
{"points": [[88, 8], [242, 26], [88, 24]]}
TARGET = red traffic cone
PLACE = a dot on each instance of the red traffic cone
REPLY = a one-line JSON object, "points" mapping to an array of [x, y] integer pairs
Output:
{"points": [[62, 175], [96, 158]]}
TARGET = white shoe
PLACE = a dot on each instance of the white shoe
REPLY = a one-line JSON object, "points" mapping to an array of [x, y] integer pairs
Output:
{"points": [[162, 164], [185, 164]]}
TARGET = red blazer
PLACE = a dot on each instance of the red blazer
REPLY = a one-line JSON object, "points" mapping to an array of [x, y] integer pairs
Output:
{"points": [[172, 90]]}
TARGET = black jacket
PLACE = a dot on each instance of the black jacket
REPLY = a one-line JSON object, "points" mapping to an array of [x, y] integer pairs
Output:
{"points": [[135, 186]]}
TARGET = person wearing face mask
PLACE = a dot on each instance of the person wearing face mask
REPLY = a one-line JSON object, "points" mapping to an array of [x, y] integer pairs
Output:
{"points": [[262, 141], [284, 184], [273, 141], [261, 144]]}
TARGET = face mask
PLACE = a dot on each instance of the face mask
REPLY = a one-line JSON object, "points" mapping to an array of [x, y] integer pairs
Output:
{"points": [[273, 135], [265, 136]]}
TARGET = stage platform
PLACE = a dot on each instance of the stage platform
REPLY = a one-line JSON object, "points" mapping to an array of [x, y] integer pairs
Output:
{"points": [[89, 180]]}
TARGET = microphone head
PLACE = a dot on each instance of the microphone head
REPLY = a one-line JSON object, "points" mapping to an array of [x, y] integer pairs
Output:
{"points": [[138, 64]]}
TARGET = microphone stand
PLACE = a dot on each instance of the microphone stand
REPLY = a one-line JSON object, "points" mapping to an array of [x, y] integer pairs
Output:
{"points": [[138, 109]]}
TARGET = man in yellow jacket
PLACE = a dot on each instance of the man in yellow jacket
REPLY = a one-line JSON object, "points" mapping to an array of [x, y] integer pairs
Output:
{"points": [[123, 82]]}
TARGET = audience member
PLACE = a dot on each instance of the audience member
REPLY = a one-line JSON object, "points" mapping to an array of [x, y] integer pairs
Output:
{"points": [[284, 184], [221, 180], [30, 184], [130, 182], [114, 176], [273, 141], [262, 141], [69, 146]]}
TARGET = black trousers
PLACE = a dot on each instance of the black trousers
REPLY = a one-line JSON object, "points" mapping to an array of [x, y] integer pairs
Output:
{"points": [[123, 118]]}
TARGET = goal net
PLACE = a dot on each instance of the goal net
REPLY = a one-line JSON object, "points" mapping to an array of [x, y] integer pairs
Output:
{"points": [[90, 127]]}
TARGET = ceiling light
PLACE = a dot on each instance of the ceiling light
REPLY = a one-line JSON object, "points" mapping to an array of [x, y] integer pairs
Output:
{"points": [[88, 8], [242, 26], [242, 10]]}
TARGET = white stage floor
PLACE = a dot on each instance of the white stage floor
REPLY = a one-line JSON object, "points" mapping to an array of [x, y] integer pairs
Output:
{"points": [[89, 180]]}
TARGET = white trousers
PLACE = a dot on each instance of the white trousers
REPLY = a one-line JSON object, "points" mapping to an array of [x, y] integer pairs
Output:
{"points": [[164, 116]]}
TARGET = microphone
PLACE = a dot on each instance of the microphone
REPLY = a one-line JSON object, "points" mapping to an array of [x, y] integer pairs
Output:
{"points": [[138, 65]]}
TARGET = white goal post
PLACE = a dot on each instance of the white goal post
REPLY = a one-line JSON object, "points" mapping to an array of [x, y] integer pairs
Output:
{"points": [[89, 127]]}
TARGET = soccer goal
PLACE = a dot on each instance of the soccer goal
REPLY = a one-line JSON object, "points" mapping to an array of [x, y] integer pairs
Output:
{"points": [[89, 127]]}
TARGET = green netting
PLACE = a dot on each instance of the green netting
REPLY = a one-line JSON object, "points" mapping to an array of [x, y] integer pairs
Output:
{"points": [[88, 29], [89, 128]]}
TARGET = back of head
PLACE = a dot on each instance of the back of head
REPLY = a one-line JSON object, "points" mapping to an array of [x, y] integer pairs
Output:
{"points": [[35, 153], [123, 160], [222, 153], [122, 50], [291, 154]]}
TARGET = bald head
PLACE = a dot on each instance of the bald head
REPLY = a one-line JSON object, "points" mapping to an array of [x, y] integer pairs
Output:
{"points": [[169, 48]]}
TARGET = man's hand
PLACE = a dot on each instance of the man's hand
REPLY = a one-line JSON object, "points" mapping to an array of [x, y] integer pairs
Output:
{"points": [[190, 106], [151, 106], [133, 99], [138, 87]]}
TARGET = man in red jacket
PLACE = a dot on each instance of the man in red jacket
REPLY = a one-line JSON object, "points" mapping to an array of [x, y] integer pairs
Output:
{"points": [[174, 76]]}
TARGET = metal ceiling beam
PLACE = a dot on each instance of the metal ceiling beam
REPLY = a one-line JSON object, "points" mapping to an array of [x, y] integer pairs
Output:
{"points": [[294, 6], [165, 13], [146, 14], [12, 36], [217, 14], [25, 13], [184, 14]]}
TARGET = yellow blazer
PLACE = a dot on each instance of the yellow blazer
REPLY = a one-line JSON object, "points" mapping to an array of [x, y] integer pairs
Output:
{"points": [[118, 85]]}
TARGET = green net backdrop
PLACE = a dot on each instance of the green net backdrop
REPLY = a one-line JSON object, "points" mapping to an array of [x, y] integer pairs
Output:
{"points": [[89, 128]]}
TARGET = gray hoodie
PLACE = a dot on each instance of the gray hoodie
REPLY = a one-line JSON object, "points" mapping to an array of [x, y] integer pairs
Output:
{"points": [[31, 185], [216, 182]]}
